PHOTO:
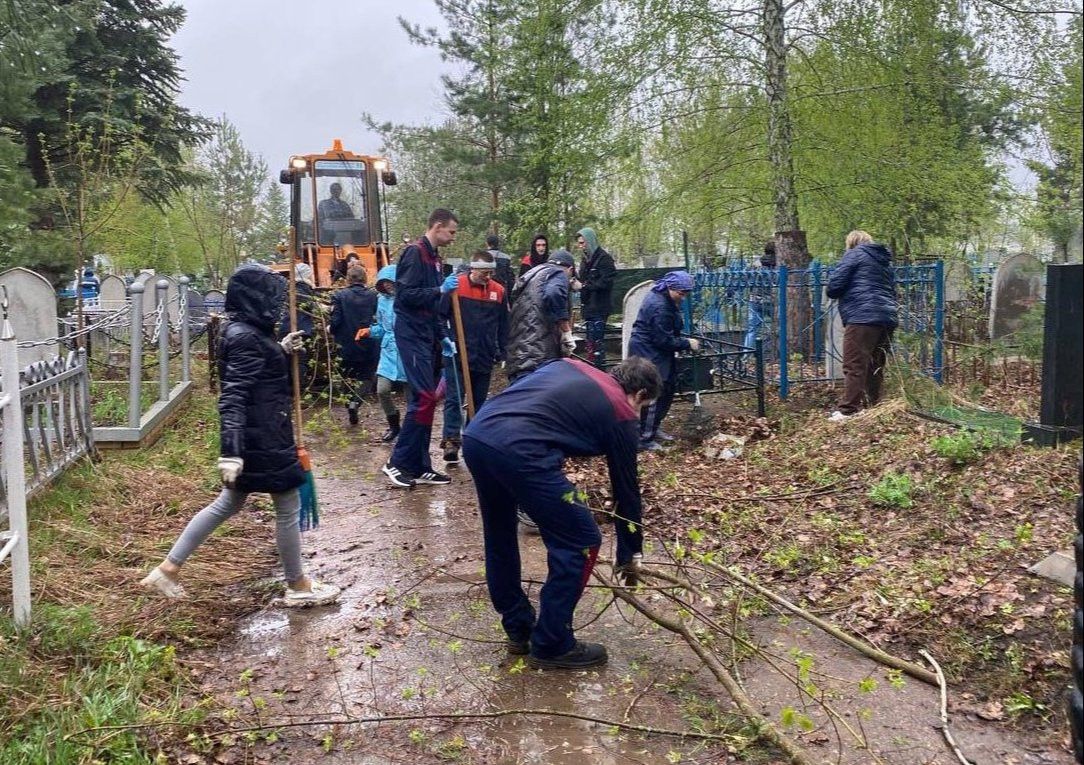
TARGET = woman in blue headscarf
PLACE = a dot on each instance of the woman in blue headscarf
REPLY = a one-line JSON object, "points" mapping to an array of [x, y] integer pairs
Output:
{"points": [[656, 336]]}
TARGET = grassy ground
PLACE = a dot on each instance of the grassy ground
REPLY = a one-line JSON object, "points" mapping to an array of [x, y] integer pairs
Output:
{"points": [[96, 653]]}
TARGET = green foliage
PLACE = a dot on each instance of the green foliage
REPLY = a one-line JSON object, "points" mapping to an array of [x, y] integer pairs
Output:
{"points": [[893, 490], [104, 683], [963, 447]]}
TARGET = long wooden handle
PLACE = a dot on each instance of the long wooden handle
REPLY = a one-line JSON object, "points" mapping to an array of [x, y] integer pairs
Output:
{"points": [[464, 363], [295, 363]]}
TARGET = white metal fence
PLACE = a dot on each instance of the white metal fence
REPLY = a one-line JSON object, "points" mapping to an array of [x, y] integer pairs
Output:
{"points": [[13, 524]]}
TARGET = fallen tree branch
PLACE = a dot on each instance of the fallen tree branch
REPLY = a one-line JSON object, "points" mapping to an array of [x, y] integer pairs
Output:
{"points": [[874, 653], [944, 708], [765, 728], [348, 720]]}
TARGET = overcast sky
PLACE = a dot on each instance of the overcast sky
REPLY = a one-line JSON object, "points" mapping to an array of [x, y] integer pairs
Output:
{"points": [[292, 76]]}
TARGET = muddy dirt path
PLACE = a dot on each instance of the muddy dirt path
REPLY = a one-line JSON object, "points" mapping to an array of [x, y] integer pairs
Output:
{"points": [[414, 635]]}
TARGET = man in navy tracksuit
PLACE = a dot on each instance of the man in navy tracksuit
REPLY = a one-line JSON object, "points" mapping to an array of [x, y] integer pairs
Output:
{"points": [[515, 448], [419, 285], [484, 312]]}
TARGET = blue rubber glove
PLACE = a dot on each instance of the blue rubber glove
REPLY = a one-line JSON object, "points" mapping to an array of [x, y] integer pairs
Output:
{"points": [[450, 283], [448, 346]]}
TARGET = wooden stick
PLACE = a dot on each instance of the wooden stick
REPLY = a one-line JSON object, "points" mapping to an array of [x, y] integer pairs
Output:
{"points": [[295, 363], [944, 709], [464, 363]]}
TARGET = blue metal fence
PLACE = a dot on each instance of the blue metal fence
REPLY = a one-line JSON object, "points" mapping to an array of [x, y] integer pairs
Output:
{"points": [[740, 304]]}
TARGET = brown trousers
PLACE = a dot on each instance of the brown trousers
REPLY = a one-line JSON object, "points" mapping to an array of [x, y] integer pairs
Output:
{"points": [[865, 351]]}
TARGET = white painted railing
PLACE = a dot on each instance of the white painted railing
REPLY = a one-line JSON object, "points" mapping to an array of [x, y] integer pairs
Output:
{"points": [[14, 534]]}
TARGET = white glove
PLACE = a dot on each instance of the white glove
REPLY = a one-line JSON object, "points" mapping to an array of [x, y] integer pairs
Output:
{"points": [[694, 344], [230, 468], [293, 342], [568, 343], [576, 285]]}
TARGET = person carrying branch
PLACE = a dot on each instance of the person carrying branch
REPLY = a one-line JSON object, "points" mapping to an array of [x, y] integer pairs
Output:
{"points": [[256, 436], [656, 336], [484, 314], [515, 448]]}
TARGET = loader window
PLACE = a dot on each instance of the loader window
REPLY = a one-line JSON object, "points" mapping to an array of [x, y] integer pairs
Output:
{"points": [[340, 203]]}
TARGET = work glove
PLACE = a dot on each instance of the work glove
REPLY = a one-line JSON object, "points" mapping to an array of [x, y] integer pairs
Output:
{"points": [[694, 344], [451, 282], [576, 285], [568, 343], [448, 347], [230, 468], [629, 573], [293, 342], [361, 334]]}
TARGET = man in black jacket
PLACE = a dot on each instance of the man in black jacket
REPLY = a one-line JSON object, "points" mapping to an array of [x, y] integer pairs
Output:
{"points": [[597, 273], [539, 329], [352, 312]]}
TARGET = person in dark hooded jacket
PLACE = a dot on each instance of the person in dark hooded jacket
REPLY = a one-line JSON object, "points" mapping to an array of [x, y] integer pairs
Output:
{"points": [[596, 277], [538, 254], [865, 287], [656, 336], [352, 312], [258, 452]]}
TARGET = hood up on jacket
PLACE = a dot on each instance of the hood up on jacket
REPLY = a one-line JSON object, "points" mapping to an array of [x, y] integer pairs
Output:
{"points": [[386, 273], [876, 252], [591, 239], [256, 295]]}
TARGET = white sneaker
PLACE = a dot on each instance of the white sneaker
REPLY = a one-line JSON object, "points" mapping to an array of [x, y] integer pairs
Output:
{"points": [[838, 416], [163, 584], [320, 595]]}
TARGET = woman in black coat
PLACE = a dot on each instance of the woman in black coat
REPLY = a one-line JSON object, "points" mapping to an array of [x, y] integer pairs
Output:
{"points": [[258, 452]]}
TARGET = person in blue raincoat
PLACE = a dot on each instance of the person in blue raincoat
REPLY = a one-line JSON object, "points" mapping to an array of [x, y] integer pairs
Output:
{"points": [[389, 372], [656, 336]]}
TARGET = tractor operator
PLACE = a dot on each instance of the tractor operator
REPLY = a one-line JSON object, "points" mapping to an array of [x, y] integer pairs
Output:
{"points": [[334, 208], [515, 448]]}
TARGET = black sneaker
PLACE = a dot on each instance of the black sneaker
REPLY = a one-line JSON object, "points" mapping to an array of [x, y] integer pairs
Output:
{"points": [[389, 435], [433, 478], [352, 412], [582, 656], [398, 477]]}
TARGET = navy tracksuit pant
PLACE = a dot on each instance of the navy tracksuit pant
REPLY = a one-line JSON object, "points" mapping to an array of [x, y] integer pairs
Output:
{"points": [[421, 362], [572, 538]]}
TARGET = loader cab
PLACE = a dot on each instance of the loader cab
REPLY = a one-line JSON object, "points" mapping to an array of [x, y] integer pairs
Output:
{"points": [[337, 211]]}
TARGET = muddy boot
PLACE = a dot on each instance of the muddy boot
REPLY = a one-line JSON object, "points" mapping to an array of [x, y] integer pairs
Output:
{"points": [[352, 411], [393, 429], [450, 447]]}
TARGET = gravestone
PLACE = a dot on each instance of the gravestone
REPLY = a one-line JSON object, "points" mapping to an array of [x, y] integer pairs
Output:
{"points": [[214, 301], [957, 281], [32, 311], [1018, 285], [197, 313], [150, 296], [833, 340], [114, 293], [630, 308]]}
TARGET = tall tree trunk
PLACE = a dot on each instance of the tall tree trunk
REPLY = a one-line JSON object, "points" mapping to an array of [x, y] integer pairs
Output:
{"points": [[790, 241]]}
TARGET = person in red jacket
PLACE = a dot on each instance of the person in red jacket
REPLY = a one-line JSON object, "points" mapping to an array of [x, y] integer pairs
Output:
{"points": [[484, 313]]}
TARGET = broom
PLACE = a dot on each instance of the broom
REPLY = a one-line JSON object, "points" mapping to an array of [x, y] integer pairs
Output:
{"points": [[309, 515]]}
